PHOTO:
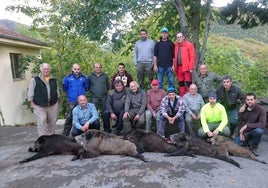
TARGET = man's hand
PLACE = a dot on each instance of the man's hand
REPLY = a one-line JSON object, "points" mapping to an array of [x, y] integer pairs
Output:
{"points": [[241, 133], [126, 115], [113, 116], [215, 132], [194, 117], [242, 137], [173, 68], [210, 134], [242, 108], [242, 130], [155, 68], [85, 127], [32, 104], [171, 120], [137, 117]]}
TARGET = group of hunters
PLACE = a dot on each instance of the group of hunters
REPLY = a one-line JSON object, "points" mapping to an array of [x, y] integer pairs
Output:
{"points": [[204, 105]]}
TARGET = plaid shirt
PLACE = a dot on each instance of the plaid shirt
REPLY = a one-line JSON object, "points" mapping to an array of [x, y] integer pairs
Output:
{"points": [[179, 108]]}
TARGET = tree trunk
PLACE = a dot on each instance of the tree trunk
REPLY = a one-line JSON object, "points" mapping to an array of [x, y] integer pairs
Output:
{"points": [[195, 13], [195, 27], [207, 28], [183, 20]]}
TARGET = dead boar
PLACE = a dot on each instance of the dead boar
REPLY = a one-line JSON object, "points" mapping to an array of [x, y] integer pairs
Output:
{"points": [[96, 143], [228, 145], [199, 146], [150, 142], [54, 145]]}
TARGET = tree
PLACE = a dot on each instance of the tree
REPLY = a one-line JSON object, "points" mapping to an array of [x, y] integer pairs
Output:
{"points": [[96, 19], [175, 15], [246, 14]]}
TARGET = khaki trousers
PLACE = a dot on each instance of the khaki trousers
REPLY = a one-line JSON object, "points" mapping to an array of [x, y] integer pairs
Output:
{"points": [[46, 118]]}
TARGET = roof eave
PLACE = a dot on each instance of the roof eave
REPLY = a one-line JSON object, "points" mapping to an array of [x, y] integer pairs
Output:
{"points": [[22, 43]]}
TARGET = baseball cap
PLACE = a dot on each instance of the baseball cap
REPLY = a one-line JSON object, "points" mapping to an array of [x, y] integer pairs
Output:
{"points": [[212, 95], [154, 82], [164, 30], [171, 90]]}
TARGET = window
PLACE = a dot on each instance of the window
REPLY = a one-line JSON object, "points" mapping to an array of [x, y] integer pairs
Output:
{"points": [[15, 66]]}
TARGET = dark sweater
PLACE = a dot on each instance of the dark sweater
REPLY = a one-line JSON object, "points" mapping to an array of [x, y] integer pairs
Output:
{"points": [[164, 51], [256, 118], [116, 101], [136, 101], [98, 85], [230, 99]]}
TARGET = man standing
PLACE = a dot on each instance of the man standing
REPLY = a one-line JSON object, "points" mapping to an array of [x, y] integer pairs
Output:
{"points": [[163, 59], [154, 98], [123, 75], [251, 123], [184, 62], [143, 57], [73, 85], [213, 118], [85, 116], [172, 109], [134, 108], [115, 106], [43, 95], [231, 97], [193, 102], [205, 81], [98, 87]]}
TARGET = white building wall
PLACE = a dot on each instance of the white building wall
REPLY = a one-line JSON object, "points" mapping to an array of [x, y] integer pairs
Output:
{"points": [[13, 93]]}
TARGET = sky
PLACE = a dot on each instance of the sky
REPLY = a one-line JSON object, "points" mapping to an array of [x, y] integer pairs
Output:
{"points": [[21, 18], [18, 17]]}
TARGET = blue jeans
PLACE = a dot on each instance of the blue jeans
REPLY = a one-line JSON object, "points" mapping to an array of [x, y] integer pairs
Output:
{"points": [[94, 125], [233, 118], [252, 138], [161, 73]]}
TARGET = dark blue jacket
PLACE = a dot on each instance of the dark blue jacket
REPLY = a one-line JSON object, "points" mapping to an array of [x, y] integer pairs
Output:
{"points": [[74, 86]]}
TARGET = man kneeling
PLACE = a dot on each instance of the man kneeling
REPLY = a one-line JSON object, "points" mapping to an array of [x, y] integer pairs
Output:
{"points": [[85, 116], [250, 124], [213, 118]]}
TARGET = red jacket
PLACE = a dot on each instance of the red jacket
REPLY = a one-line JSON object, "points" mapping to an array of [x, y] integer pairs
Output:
{"points": [[187, 56]]}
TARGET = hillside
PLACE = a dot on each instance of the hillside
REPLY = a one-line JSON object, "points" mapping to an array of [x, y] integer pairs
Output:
{"points": [[254, 50], [11, 25], [259, 33], [237, 52]]}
